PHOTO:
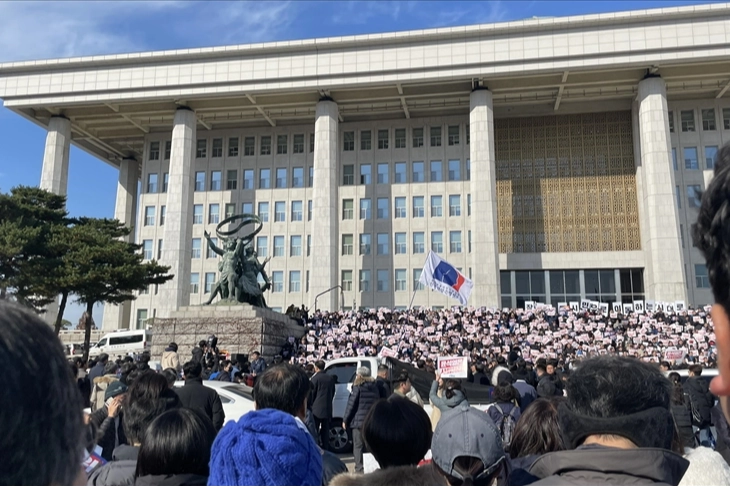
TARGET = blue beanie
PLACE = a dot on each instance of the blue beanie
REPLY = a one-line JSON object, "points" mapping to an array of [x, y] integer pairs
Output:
{"points": [[266, 447]]}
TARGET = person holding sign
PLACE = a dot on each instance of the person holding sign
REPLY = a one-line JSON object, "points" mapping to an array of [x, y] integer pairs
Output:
{"points": [[452, 393]]}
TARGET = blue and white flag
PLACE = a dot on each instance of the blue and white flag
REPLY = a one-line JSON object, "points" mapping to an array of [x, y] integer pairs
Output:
{"points": [[441, 276]]}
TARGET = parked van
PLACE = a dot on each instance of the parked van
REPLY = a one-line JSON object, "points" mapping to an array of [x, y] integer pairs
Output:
{"points": [[122, 343]]}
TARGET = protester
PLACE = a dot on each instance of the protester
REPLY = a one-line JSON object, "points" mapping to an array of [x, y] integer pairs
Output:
{"points": [[82, 378], [527, 392], [477, 375], [199, 352], [681, 412], [225, 371], [258, 364], [176, 449], [98, 369], [504, 411], [453, 395], [170, 359], [170, 376], [364, 394], [701, 401], [382, 381], [109, 420], [194, 395], [101, 383], [321, 396]]}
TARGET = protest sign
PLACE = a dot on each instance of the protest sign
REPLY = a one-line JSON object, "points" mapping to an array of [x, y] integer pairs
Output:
{"points": [[453, 367], [387, 352], [680, 306], [604, 308], [574, 305], [617, 307], [628, 308], [529, 305], [585, 304], [674, 355], [639, 306]]}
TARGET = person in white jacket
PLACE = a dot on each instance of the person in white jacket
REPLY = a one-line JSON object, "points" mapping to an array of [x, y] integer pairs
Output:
{"points": [[170, 359]]}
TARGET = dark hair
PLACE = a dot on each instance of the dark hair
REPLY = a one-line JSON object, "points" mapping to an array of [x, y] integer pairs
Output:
{"points": [[504, 392], [469, 467], [284, 387], [541, 367], [451, 385], [173, 346], [382, 368], [400, 378], [146, 399], [103, 358], [224, 364], [696, 369], [111, 368], [320, 364], [666, 364], [40, 407], [176, 442], [202, 343], [170, 376], [397, 432], [538, 430], [192, 370]]}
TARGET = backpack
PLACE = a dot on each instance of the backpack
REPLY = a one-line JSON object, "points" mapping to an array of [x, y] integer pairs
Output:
{"points": [[507, 425]]}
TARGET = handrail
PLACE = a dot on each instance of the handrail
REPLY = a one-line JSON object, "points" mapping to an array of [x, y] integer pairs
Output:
{"points": [[342, 296]]}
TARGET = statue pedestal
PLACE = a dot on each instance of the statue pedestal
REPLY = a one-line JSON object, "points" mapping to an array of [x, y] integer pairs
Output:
{"points": [[240, 329]]}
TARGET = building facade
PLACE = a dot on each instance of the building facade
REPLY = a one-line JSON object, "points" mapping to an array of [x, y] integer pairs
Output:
{"points": [[547, 159]]}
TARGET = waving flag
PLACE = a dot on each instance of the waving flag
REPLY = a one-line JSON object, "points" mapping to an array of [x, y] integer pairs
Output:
{"points": [[441, 276]]}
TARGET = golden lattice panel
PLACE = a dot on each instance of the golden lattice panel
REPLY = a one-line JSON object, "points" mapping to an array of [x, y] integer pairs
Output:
{"points": [[566, 183]]}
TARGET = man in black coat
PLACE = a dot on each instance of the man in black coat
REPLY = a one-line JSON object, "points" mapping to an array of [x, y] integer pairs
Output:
{"points": [[382, 381], [701, 400], [98, 369], [320, 398], [364, 394], [194, 395]]}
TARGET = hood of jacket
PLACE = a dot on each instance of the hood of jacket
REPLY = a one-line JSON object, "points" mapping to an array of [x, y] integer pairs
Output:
{"points": [[495, 374], [180, 479], [168, 351], [613, 466], [105, 380], [697, 384], [408, 475], [359, 380]]}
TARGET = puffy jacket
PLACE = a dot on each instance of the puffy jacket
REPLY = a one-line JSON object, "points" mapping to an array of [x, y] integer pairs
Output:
{"points": [[683, 419], [698, 390], [706, 467], [442, 403], [194, 395], [120, 471], [181, 479], [364, 394], [170, 360], [110, 432], [99, 389]]}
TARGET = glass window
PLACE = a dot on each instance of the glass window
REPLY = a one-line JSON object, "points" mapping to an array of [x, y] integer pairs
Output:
{"points": [[417, 284], [297, 177], [249, 146], [383, 208], [297, 213], [419, 243], [468, 205], [366, 140], [201, 148], [231, 179], [196, 248], [152, 183], [230, 210], [365, 209], [278, 246], [419, 175], [383, 173], [149, 216], [348, 141], [168, 149], [437, 242], [347, 280], [217, 148], [163, 213], [400, 280], [265, 178], [418, 207], [247, 208], [281, 177], [688, 120], [400, 207], [264, 211], [383, 280], [348, 175], [399, 175], [694, 195], [309, 250], [154, 151], [281, 144], [364, 280], [233, 147], [674, 159], [436, 172], [262, 246], [266, 145], [690, 158], [347, 244], [311, 176], [670, 116], [726, 118], [400, 243], [455, 205], [147, 249], [365, 243], [468, 169], [453, 135], [295, 246], [436, 206], [197, 214], [309, 210], [214, 213], [348, 207], [383, 244], [454, 170], [455, 242], [417, 138], [295, 281], [710, 154], [165, 181], [382, 139], [215, 180], [209, 253], [365, 174], [248, 179], [708, 119], [279, 211], [435, 136], [679, 197], [400, 138], [298, 144], [209, 281], [194, 283], [277, 282], [702, 280], [159, 250], [468, 239], [311, 149]]}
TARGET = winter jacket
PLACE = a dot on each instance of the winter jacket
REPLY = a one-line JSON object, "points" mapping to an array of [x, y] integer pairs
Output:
{"points": [[723, 432], [442, 403], [706, 467], [99, 389], [364, 394], [495, 374], [96, 371], [598, 465], [332, 466], [194, 395], [683, 420], [405, 475], [507, 408], [527, 393], [181, 479], [224, 376], [383, 386], [110, 432], [198, 356], [698, 390], [120, 471], [85, 389], [258, 366], [548, 386], [322, 394], [170, 360]]}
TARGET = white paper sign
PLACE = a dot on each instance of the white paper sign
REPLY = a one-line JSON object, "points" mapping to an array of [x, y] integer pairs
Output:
{"points": [[453, 367], [529, 305], [617, 308], [650, 306], [680, 306], [628, 308], [639, 306], [585, 304], [604, 308], [574, 305]]}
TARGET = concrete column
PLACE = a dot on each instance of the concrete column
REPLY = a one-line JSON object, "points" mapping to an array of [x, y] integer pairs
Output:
{"points": [[485, 249], [125, 210], [659, 218], [179, 217], [54, 175], [324, 207]]}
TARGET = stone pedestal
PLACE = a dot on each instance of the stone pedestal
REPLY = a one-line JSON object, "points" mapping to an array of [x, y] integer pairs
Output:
{"points": [[240, 329]]}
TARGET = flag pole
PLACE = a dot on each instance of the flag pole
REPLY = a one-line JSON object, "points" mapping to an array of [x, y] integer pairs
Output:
{"points": [[410, 305]]}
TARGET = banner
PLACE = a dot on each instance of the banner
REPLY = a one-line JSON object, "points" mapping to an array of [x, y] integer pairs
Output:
{"points": [[453, 367], [585, 304], [604, 308], [680, 306], [441, 276], [674, 355], [529, 305], [628, 308]]}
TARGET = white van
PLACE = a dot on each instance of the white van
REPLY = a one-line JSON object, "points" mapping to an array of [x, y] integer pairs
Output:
{"points": [[122, 343]]}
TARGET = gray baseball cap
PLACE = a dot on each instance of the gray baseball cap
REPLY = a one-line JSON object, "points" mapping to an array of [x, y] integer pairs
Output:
{"points": [[466, 432]]}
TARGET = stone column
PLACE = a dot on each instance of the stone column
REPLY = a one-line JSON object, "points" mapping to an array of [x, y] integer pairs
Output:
{"points": [[485, 249], [125, 210], [179, 217], [54, 175], [324, 262], [658, 215]]}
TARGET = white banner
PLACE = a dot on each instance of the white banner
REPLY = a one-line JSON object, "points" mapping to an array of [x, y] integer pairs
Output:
{"points": [[453, 367]]}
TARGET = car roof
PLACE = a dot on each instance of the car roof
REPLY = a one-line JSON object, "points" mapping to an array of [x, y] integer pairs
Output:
{"points": [[705, 372], [123, 333]]}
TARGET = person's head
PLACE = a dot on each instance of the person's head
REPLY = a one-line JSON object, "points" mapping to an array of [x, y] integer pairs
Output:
{"points": [[402, 383], [255, 355], [192, 370], [103, 358], [383, 371], [677, 389], [450, 387], [504, 392], [170, 376], [111, 368], [146, 399], [284, 387], [695, 370], [319, 365], [620, 401], [176, 442], [664, 366], [540, 369], [550, 369], [226, 365], [40, 407], [115, 389], [466, 447], [397, 432], [172, 346], [203, 344], [538, 430], [363, 372]]}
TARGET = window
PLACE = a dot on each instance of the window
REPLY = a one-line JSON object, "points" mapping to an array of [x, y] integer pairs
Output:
{"points": [[152, 183], [217, 148], [249, 146], [147, 249], [279, 211], [347, 280], [688, 120], [382, 280], [196, 249], [233, 147], [215, 180], [383, 173], [679, 198], [265, 179], [399, 175], [419, 210], [690, 158], [262, 246], [365, 209], [400, 243], [365, 174], [400, 138], [453, 135], [348, 175], [349, 142], [436, 206], [435, 136], [383, 208], [248, 179], [277, 282], [159, 249], [200, 181], [702, 280], [297, 177], [419, 243], [564, 287], [455, 205], [282, 143], [681, 234], [417, 138], [209, 281], [365, 243], [281, 177], [436, 172], [347, 244], [400, 207], [149, 216], [168, 149], [229, 210], [710, 154], [210, 254], [295, 281], [295, 246], [469, 240], [154, 151], [247, 208], [266, 145], [197, 214], [347, 209], [726, 118], [365, 280], [468, 205], [419, 174], [278, 246], [297, 214], [298, 144], [674, 159], [454, 170], [530, 286], [708, 119], [311, 176], [383, 244], [201, 148], [163, 213], [264, 211], [670, 116], [694, 195], [455, 242], [309, 210], [311, 142], [213, 213], [382, 139], [437, 242], [599, 285], [194, 283], [468, 169], [309, 249], [417, 284], [231, 179], [366, 140]]}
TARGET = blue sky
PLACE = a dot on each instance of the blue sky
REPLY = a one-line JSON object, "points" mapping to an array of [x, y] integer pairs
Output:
{"points": [[41, 30]]}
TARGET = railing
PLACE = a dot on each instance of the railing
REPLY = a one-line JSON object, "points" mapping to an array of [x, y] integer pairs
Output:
{"points": [[342, 296]]}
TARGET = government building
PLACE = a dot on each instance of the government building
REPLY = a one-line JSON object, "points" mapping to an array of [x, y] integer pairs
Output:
{"points": [[549, 159]]}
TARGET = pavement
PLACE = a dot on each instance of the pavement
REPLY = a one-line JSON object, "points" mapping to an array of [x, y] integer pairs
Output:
{"points": [[349, 460]]}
